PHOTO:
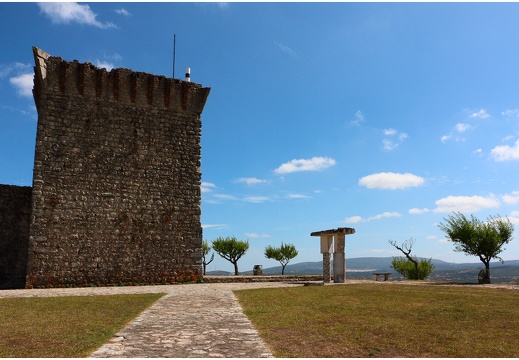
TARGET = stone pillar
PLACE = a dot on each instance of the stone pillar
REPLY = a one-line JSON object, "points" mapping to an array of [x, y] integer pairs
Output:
{"points": [[339, 258], [326, 250]]}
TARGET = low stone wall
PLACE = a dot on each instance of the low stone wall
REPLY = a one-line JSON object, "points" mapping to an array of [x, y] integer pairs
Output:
{"points": [[15, 211], [261, 278]]}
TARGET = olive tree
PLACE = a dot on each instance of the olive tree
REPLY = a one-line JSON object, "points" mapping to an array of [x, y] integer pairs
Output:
{"points": [[206, 248], [231, 249], [475, 237], [283, 254], [406, 248]]}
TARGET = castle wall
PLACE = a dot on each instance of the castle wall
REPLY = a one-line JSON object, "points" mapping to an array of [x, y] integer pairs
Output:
{"points": [[15, 210], [116, 188]]}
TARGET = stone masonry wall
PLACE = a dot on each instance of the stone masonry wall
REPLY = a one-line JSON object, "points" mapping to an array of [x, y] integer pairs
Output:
{"points": [[15, 210], [116, 189]]}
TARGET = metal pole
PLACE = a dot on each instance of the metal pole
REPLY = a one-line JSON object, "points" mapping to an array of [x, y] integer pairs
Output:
{"points": [[174, 52]]}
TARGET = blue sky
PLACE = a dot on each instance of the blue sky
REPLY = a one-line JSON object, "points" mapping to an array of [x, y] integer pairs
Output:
{"points": [[384, 117]]}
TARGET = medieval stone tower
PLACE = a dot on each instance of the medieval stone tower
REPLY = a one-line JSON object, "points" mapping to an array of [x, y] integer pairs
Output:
{"points": [[116, 190]]}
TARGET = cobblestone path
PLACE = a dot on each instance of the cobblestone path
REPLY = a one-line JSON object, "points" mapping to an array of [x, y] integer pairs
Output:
{"points": [[195, 320]]}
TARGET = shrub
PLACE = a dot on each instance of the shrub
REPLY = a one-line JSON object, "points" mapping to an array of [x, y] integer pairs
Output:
{"points": [[407, 269]]}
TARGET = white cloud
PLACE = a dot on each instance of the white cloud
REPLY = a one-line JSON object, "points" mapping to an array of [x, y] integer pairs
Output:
{"points": [[285, 49], [481, 114], [358, 219], [416, 211], [384, 215], [257, 199], [514, 217], [210, 5], [313, 164], [465, 204], [359, 118], [250, 181], [445, 138], [353, 220], [122, 11], [257, 236], [512, 198], [462, 127], [207, 186], [506, 152], [459, 128], [16, 67], [69, 12], [391, 181], [298, 196], [103, 64], [23, 84], [214, 226], [511, 113], [225, 197], [508, 138], [389, 145]]}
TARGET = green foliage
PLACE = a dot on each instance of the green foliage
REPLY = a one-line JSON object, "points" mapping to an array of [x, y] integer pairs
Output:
{"points": [[474, 237], [206, 248], [231, 249], [407, 268], [283, 254]]}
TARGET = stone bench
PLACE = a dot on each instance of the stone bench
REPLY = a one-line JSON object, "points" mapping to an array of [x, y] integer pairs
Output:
{"points": [[377, 276]]}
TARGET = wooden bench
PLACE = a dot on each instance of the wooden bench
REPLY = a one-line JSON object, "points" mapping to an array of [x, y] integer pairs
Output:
{"points": [[377, 276]]}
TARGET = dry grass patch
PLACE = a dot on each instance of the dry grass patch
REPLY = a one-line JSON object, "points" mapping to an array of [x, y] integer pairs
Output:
{"points": [[385, 320], [71, 326]]}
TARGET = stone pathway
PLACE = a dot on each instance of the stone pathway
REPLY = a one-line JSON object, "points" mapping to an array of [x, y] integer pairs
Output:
{"points": [[195, 320]]}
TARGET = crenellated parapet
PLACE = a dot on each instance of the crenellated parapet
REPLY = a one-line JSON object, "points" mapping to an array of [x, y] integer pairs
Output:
{"points": [[122, 85]]}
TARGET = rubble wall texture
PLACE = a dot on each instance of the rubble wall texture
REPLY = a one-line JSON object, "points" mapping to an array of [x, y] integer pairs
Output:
{"points": [[15, 210], [116, 189]]}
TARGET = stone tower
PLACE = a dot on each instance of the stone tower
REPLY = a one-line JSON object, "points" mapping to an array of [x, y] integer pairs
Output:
{"points": [[116, 190]]}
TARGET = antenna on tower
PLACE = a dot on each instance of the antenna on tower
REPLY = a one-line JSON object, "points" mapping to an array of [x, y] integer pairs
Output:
{"points": [[174, 52]]}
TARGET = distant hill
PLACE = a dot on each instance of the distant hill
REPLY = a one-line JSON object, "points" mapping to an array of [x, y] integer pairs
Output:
{"points": [[364, 267]]}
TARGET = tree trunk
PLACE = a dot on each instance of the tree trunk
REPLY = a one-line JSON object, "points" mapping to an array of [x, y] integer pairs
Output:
{"points": [[235, 268], [487, 268], [204, 267], [415, 266], [283, 269]]}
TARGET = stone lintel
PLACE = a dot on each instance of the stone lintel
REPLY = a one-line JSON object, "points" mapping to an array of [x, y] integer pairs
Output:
{"points": [[345, 231]]}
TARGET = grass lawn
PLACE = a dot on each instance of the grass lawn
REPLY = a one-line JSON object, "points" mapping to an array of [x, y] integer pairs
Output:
{"points": [[385, 320], [72, 326]]}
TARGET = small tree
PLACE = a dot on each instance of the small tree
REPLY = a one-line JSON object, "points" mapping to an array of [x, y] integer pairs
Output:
{"points": [[482, 239], [407, 268], [231, 249], [412, 268], [283, 254], [206, 248]]}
